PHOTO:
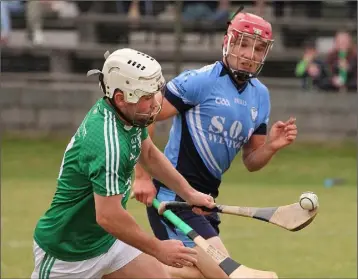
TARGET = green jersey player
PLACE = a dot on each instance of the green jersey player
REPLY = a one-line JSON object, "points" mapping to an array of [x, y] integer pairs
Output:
{"points": [[86, 232]]}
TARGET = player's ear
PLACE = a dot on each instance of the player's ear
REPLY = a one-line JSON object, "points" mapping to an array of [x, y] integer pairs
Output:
{"points": [[118, 97], [226, 37], [224, 43]]}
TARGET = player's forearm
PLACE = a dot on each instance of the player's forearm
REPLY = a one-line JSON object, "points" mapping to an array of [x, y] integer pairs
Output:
{"points": [[123, 226], [259, 157], [161, 169], [141, 173]]}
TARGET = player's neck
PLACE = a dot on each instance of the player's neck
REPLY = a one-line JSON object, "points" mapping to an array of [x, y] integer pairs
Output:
{"points": [[119, 114]]}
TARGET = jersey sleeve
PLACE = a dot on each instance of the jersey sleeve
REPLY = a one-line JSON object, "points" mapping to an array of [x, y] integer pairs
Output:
{"points": [[101, 160], [186, 90], [264, 110]]}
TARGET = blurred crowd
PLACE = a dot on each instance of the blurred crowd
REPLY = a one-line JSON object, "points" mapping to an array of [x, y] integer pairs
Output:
{"points": [[312, 9], [335, 71], [34, 12]]}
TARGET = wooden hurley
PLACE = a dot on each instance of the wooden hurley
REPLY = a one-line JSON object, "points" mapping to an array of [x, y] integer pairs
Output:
{"points": [[232, 268], [291, 217]]}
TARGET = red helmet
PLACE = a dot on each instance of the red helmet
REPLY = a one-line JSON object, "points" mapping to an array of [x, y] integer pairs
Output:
{"points": [[247, 29]]}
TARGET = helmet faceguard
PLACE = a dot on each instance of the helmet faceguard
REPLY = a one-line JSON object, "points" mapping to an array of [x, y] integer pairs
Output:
{"points": [[246, 45], [137, 76], [144, 119]]}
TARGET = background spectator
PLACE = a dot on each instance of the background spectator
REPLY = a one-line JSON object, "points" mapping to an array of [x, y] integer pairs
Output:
{"points": [[35, 12], [314, 9], [8, 8], [199, 10], [342, 62], [312, 69]]}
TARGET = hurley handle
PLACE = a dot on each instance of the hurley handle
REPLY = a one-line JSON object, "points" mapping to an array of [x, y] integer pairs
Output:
{"points": [[174, 219], [175, 205]]}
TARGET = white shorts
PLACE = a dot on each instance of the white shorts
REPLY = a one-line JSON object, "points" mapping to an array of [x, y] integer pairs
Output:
{"points": [[117, 257]]}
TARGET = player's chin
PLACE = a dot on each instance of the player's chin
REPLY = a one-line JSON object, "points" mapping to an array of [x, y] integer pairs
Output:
{"points": [[143, 120], [246, 69]]}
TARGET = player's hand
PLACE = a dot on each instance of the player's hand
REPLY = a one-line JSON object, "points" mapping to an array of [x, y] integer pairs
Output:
{"points": [[174, 253], [282, 134], [144, 191], [199, 211], [200, 199]]}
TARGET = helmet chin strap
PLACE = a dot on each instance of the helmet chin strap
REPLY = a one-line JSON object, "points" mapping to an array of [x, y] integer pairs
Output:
{"points": [[129, 121], [242, 75], [238, 76]]}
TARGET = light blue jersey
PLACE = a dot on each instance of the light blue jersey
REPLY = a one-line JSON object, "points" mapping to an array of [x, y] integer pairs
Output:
{"points": [[216, 119]]}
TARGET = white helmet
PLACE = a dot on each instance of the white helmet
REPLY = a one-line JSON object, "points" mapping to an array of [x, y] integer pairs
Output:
{"points": [[134, 73]]}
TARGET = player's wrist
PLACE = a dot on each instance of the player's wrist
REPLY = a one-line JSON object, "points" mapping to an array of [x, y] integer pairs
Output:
{"points": [[154, 246], [270, 147], [188, 193], [141, 174]]}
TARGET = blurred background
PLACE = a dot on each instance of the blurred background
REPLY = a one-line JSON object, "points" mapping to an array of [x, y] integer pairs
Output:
{"points": [[47, 47]]}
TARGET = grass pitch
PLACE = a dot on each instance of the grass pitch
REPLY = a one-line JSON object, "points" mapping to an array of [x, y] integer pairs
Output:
{"points": [[325, 249]]}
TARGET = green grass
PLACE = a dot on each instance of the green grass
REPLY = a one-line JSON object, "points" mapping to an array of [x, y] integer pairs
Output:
{"points": [[325, 249]]}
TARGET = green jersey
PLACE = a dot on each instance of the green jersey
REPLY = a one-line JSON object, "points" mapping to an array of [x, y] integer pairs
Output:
{"points": [[100, 159]]}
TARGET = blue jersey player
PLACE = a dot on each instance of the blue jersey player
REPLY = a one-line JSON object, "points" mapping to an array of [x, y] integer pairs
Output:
{"points": [[218, 110]]}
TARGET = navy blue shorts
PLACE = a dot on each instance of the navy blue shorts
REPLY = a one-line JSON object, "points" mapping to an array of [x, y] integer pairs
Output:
{"points": [[206, 226]]}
